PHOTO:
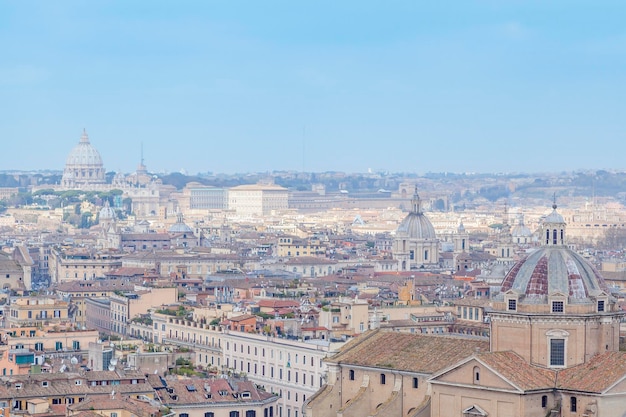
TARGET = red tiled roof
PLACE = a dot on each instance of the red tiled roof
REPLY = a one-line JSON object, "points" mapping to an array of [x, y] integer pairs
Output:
{"points": [[519, 372], [406, 351], [596, 375], [278, 303]]}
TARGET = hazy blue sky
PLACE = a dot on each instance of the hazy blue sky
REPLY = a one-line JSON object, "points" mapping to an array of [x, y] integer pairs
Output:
{"points": [[237, 86]]}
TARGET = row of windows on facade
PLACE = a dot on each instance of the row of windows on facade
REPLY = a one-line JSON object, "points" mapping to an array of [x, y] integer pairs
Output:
{"points": [[267, 412], [280, 372], [383, 379], [57, 346], [473, 313], [556, 306], [280, 354], [42, 314]]}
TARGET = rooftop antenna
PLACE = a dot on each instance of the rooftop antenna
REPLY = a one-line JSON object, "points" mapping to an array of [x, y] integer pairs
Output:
{"points": [[303, 148]]}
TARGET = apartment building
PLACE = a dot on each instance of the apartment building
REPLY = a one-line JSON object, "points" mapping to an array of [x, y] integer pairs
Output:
{"points": [[36, 311], [80, 264], [290, 246], [290, 368], [76, 292], [48, 340]]}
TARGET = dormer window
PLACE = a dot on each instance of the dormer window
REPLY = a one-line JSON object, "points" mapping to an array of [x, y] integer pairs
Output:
{"points": [[557, 306], [600, 306], [44, 383], [512, 304]]}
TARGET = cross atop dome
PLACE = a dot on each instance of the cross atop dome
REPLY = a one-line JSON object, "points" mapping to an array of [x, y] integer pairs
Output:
{"points": [[84, 138]]}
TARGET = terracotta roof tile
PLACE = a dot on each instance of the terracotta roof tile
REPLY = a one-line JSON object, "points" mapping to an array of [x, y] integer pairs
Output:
{"points": [[515, 369], [407, 351], [596, 375]]}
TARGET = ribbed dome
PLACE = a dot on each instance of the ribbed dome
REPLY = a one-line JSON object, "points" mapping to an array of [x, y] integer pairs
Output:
{"points": [[416, 225], [106, 213], [521, 231], [83, 166], [554, 269], [84, 154], [179, 226]]}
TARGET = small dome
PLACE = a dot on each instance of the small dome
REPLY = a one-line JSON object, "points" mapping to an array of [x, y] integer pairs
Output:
{"points": [[416, 225], [179, 226], [554, 217], [106, 213], [521, 230]]}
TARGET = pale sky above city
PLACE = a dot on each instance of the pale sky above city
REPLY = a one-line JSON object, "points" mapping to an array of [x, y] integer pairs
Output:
{"points": [[247, 86]]}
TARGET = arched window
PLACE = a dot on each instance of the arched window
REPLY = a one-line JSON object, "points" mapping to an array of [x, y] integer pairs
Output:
{"points": [[544, 401], [383, 379], [351, 375], [476, 373]]}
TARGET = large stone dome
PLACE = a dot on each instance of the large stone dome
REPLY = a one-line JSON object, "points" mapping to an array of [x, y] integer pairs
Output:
{"points": [[84, 154], [554, 269], [83, 165], [416, 225]]}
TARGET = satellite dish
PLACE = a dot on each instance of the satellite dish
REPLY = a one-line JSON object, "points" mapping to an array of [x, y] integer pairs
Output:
{"points": [[74, 360]]}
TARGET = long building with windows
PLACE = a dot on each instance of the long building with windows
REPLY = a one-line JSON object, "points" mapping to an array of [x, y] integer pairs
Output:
{"points": [[293, 369]]}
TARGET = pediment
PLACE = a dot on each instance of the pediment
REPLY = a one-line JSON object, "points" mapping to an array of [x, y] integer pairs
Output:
{"points": [[474, 411], [464, 373]]}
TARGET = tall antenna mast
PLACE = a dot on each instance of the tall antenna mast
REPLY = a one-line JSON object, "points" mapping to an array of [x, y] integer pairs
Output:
{"points": [[303, 148]]}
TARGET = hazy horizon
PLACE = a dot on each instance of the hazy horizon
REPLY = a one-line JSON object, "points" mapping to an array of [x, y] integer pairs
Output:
{"points": [[235, 87]]}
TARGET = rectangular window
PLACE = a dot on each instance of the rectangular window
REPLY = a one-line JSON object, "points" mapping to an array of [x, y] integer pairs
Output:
{"points": [[600, 306], [557, 306], [415, 383], [557, 352], [573, 406], [512, 305]]}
